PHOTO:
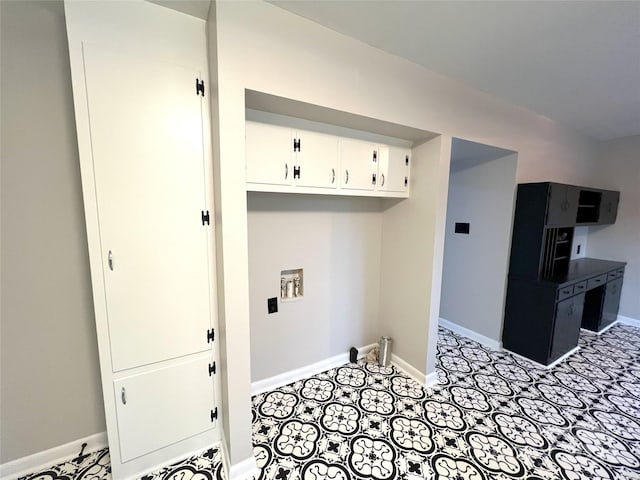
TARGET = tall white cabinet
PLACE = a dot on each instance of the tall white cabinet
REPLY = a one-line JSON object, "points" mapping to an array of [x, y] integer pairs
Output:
{"points": [[139, 82]]}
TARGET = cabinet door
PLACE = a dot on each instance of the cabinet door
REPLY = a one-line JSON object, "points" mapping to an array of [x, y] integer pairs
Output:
{"points": [[358, 164], [608, 207], [317, 160], [164, 406], [566, 326], [562, 205], [393, 169], [611, 303], [269, 153], [147, 152]]}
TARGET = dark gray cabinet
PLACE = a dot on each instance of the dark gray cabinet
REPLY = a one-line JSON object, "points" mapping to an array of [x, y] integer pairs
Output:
{"points": [[549, 296], [562, 205], [608, 207], [566, 326]]}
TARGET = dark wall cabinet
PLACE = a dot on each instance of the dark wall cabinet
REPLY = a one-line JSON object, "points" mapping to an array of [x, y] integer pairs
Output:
{"points": [[549, 296], [562, 204]]}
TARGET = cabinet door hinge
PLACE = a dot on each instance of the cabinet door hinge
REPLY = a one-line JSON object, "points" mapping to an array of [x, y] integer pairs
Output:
{"points": [[406, 160], [296, 144], [406, 181], [212, 368], [373, 179], [199, 87], [210, 335], [296, 172], [205, 217], [375, 156], [214, 414]]}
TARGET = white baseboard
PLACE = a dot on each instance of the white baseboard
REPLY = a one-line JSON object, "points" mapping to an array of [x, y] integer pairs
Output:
{"points": [[431, 379], [634, 322], [481, 339], [244, 470], [408, 369], [53, 456], [540, 365], [291, 376]]}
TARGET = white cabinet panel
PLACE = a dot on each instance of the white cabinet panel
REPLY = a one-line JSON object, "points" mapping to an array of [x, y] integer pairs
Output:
{"points": [[393, 169], [317, 160], [147, 152], [358, 164], [269, 153], [164, 406]]}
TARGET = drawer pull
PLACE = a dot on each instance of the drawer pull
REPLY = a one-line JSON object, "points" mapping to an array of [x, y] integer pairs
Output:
{"points": [[333, 175], [566, 292], [579, 287], [123, 396]]}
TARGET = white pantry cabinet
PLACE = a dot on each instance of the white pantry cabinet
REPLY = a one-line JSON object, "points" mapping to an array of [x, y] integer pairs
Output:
{"points": [[139, 83], [290, 160], [147, 405]]}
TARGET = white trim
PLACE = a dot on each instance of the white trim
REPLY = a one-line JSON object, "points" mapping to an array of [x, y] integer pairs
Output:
{"points": [[600, 332], [408, 369], [634, 322], [431, 380], [481, 339], [47, 458], [552, 364], [291, 376], [244, 470]]}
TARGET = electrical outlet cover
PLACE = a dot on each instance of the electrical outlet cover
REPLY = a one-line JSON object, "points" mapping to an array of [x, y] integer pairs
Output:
{"points": [[272, 304]]}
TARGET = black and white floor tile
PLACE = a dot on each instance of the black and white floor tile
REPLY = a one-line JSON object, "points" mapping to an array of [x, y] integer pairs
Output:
{"points": [[492, 416], [97, 466]]}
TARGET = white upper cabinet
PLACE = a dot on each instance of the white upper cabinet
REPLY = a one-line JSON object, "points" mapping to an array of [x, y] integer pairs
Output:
{"points": [[269, 153], [317, 160], [359, 164], [290, 160], [393, 169]]}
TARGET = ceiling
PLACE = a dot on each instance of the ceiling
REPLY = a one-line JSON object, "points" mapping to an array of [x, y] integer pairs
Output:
{"points": [[575, 62]]}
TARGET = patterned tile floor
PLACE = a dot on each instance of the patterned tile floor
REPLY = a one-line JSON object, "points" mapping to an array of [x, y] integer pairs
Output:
{"points": [[492, 416]]}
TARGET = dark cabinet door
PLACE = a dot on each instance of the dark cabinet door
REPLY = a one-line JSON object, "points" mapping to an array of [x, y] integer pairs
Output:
{"points": [[566, 327], [608, 207], [611, 303], [562, 205]]}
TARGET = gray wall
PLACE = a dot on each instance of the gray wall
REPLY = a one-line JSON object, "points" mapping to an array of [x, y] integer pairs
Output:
{"points": [[50, 379], [619, 169], [336, 241], [481, 192]]}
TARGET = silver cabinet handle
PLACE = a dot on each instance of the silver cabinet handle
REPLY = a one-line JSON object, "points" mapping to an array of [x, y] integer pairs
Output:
{"points": [[382, 179], [110, 260], [286, 170], [346, 180], [333, 175], [123, 395]]}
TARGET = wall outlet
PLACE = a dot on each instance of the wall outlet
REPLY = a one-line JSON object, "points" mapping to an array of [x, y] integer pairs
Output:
{"points": [[272, 304]]}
